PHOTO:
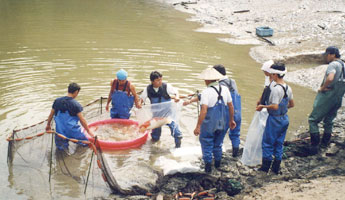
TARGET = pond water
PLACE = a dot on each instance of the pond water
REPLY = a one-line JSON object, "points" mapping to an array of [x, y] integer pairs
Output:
{"points": [[45, 45]]}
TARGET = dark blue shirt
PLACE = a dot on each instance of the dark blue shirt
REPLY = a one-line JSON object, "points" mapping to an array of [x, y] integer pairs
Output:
{"points": [[69, 104]]}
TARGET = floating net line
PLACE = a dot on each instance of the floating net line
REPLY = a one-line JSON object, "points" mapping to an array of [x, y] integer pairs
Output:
{"points": [[32, 156]]}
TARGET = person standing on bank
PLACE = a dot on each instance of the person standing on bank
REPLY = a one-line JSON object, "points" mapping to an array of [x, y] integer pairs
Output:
{"points": [[280, 100], [159, 92], [122, 96], [216, 115], [269, 83], [67, 112], [328, 100], [234, 134]]}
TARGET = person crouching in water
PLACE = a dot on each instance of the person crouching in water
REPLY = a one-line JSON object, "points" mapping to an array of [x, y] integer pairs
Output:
{"points": [[280, 100], [217, 113], [122, 96], [234, 134], [159, 92]]}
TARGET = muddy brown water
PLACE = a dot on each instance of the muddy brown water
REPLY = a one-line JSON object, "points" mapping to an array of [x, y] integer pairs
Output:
{"points": [[45, 45]]}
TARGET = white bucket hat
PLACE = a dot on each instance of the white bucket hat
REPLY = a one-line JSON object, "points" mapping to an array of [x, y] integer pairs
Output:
{"points": [[210, 74], [267, 65]]}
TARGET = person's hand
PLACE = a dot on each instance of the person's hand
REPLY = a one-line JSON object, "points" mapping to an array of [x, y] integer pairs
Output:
{"points": [[186, 103], [323, 89], [197, 131], [177, 100], [232, 124], [107, 107], [259, 107], [139, 106], [48, 127]]}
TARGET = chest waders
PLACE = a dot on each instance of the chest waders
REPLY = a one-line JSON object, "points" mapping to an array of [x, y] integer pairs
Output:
{"points": [[274, 134], [159, 97], [213, 130], [234, 134], [68, 126], [121, 102], [325, 108]]}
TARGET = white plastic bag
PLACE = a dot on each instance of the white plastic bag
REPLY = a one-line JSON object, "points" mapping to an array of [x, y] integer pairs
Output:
{"points": [[252, 153], [169, 110]]}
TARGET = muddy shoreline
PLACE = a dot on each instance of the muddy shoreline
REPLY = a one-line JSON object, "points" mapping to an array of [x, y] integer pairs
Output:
{"points": [[304, 176], [302, 30]]}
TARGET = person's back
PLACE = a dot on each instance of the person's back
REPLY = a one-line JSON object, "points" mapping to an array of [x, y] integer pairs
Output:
{"points": [[67, 113], [66, 110], [230, 84]]}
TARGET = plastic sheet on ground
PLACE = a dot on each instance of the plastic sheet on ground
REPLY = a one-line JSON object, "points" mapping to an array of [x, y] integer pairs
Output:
{"points": [[171, 166], [252, 153]]}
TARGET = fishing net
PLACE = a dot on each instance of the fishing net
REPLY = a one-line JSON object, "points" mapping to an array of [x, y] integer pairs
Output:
{"points": [[34, 161]]}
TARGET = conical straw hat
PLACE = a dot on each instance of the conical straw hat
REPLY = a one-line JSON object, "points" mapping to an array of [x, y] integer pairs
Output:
{"points": [[210, 74]]}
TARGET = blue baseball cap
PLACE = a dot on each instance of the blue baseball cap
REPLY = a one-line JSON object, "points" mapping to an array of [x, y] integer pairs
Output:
{"points": [[121, 74], [332, 50]]}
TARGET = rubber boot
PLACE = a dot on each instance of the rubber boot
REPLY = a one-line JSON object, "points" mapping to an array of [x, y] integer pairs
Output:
{"points": [[325, 140], [217, 163], [178, 142], [235, 152], [276, 166], [266, 165], [208, 167], [314, 143]]}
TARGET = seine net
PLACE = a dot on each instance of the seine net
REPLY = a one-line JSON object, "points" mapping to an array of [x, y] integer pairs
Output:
{"points": [[33, 158]]}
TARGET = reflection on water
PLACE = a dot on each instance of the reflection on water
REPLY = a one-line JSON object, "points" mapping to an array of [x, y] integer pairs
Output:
{"points": [[45, 45]]}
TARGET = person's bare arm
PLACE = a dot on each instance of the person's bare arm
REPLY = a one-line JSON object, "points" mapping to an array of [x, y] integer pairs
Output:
{"points": [[50, 117], [232, 122], [136, 97], [109, 96], [270, 107], [201, 118], [328, 81], [291, 103], [84, 123]]}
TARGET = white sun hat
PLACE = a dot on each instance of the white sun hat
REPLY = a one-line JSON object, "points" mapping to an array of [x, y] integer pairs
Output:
{"points": [[275, 71], [267, 65], [210, 74]]}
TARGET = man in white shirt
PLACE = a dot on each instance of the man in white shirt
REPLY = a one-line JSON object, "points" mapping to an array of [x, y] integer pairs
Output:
{"points": [[159, 92], [216, 115], [280, 100]]}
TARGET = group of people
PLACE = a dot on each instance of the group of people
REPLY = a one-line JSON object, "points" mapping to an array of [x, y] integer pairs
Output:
{"points": [[220, 111]]}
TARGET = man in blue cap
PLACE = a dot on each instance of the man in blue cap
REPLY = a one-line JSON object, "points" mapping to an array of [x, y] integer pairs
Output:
{"points": [[67, 112], [122, 96], [328, 99]]}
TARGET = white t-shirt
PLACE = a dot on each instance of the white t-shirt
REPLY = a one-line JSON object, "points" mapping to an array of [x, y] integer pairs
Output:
{"points": [[170, 90], [277, 94], [209, 96]]}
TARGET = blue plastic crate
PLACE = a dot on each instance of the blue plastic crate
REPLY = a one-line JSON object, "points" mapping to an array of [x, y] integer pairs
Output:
{"points": [[264, 31]]}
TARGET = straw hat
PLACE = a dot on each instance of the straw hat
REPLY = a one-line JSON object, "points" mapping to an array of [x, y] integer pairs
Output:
{"points": [[210, 74]]}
